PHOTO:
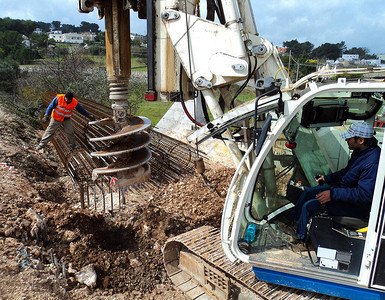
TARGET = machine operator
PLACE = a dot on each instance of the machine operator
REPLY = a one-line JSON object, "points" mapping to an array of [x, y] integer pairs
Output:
{"points": [[61, 109], [349, 191]]}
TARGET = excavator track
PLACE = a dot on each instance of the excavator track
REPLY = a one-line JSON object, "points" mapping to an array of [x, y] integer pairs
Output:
{"points": [[197, 265]]}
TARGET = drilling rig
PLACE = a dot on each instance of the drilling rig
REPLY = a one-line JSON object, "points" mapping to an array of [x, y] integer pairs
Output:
{"points": [[283, 137]]}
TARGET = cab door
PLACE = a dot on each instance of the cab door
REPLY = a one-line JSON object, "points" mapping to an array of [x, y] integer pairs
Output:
{"points": [[373, 262]]}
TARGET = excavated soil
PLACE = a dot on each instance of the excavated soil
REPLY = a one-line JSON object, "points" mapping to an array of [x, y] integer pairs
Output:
{"points": [[46, 239]]}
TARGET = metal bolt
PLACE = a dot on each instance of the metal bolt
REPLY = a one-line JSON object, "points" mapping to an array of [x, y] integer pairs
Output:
{"points": [[238, 67], [165, 16]]}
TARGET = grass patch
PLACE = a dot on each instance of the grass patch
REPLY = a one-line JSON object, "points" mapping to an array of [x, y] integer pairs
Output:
{"points": [[154, 110], [244, 97], [137, 62], [140, 68], [98, 59]]}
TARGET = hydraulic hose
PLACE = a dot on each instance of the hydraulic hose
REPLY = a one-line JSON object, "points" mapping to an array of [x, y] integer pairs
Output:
{"points": [[182, 101]]}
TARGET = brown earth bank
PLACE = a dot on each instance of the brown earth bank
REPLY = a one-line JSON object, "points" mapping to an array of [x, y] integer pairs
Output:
{"points": [[49, 246]]}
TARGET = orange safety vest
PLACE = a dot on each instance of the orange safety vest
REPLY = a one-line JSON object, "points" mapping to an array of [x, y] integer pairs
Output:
{"points": [[63, 110]]}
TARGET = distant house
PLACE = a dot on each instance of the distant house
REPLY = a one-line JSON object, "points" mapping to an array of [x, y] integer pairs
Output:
{"points": [[350, 57], [38, 31], [56, 35], [26, 41], [134, 36], [370, 62], [88, 36], [71, 38], [381, 57]]}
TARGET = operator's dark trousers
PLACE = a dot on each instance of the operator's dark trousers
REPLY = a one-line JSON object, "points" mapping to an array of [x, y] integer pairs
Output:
{"points": [[53, 126], [307, 205]]}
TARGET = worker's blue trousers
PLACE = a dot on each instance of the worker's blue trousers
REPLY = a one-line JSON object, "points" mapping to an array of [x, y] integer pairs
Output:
{"points": [[307, 205]]}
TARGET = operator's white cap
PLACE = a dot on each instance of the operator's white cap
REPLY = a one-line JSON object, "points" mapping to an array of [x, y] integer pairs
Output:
{"points": [[362, 129]]}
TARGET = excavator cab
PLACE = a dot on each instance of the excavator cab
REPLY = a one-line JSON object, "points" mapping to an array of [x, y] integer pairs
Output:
{"points": [[302, 143]]}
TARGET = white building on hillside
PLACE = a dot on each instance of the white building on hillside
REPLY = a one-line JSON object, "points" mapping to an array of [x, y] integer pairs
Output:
{"points": [[371, 62], [71, 38], [350, 57], [56, 35], [38, 31], [26, 41], [88, 36]]}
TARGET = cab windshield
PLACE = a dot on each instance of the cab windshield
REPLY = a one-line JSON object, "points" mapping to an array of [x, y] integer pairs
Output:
{"points": [[296, 157]]}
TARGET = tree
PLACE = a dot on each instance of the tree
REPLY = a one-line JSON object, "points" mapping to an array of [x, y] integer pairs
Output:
{"points": [[89, 27], [100, 38], [55, 25], [20, 26], [9, 72], [39, 43], [329, 51], [298, 49], [12, 47], [137, 89], [136, 42], [342, 46], [10, 41], [360, 51], [45, 27], [25, 55], [65, 28], [72, 71], [38, 40], [28, 27]]}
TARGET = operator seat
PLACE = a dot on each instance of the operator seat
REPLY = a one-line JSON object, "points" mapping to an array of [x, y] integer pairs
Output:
{"points": [[350, 222]]}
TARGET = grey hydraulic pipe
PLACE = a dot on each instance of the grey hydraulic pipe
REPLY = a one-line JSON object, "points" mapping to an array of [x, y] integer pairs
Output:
{"points": [[150, 45]]}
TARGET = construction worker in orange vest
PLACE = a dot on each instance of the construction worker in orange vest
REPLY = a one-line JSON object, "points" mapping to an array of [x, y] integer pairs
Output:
{"points": [[60, 110]]}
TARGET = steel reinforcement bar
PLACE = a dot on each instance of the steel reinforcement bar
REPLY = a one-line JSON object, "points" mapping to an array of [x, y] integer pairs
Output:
{"points": [[171, 159]]}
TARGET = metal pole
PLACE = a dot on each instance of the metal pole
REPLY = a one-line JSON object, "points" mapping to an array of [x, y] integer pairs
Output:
{"points": [[150, 45], [95, 196], [81, 190], [88, 197], [119, 198], [124, 196], [104, 200], [112, 200], [289, 60]]}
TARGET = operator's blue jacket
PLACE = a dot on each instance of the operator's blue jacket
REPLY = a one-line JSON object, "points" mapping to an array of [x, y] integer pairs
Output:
{"points": [[355, 183]]}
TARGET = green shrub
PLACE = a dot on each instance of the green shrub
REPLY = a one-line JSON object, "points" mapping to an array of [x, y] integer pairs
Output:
{"points": [[9, 72]]}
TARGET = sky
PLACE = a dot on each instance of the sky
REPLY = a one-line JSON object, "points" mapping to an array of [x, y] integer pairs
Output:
{"points": [[359, 23]]}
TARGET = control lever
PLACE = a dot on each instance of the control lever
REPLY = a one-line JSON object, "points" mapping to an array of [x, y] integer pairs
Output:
{"points": [[316, 177]]}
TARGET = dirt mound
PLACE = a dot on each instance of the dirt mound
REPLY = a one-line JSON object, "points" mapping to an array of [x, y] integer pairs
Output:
{"points": [[47, 240]]}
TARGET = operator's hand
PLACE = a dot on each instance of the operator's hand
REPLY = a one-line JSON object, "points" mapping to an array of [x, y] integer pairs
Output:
{"points": [[321, 180], [324, 197], [91, 118], [44, 119]]}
